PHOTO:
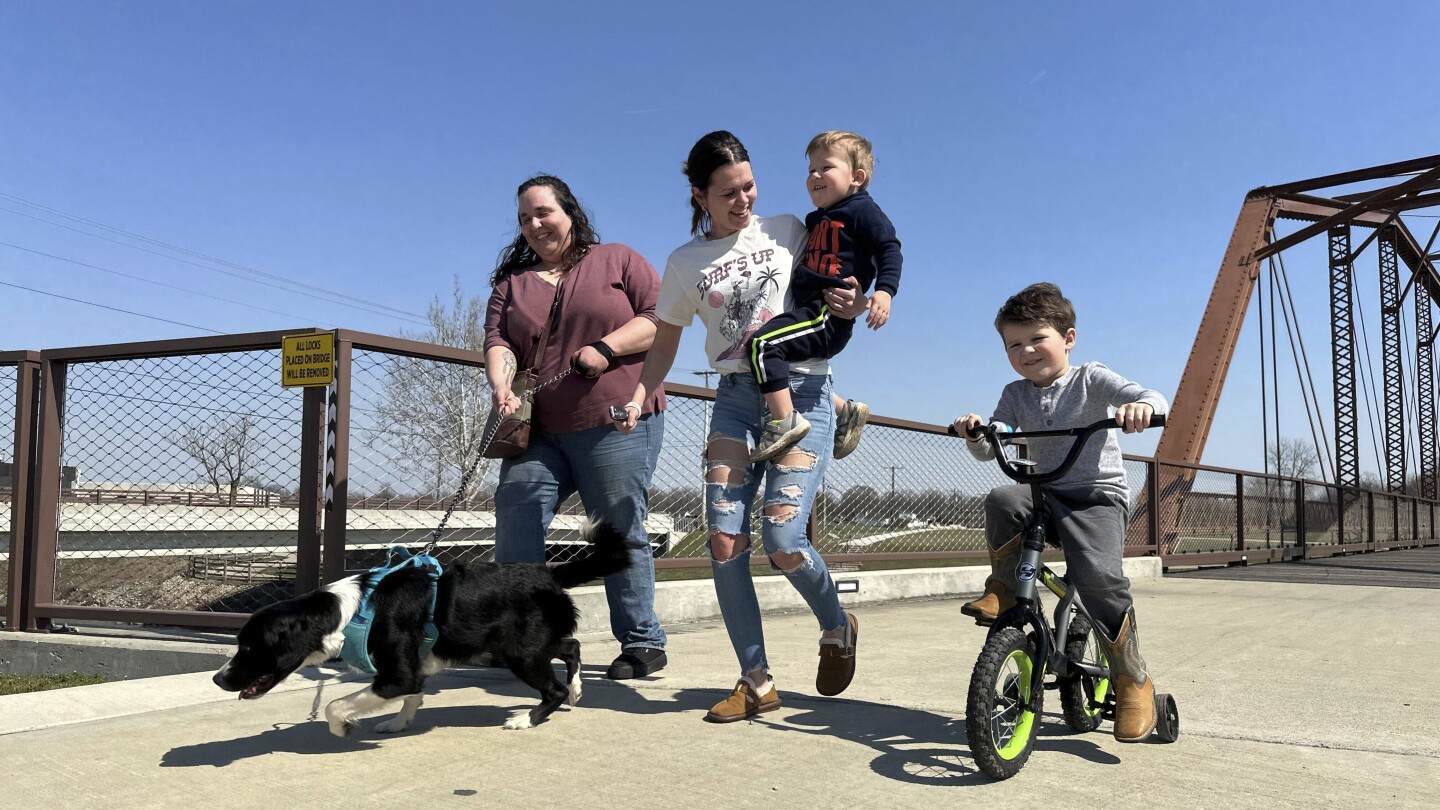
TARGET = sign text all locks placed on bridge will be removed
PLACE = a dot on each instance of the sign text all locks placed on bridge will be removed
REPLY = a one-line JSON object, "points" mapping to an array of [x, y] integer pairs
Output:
{"points": [[307, 360]]}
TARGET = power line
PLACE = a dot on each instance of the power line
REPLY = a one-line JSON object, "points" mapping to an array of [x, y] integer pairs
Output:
{"points": [[160, 283], [288, 285], [114, 309]]}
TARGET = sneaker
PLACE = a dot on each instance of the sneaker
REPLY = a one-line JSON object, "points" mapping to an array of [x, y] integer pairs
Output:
{"points": [[848, 426], [837, 660], [636, 662], [779, 436], [744, 703]]}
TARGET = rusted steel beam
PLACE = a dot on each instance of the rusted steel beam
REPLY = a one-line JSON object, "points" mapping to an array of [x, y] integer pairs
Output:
{"points": [[1344, 216], [1346, 178], [1198, 395]]}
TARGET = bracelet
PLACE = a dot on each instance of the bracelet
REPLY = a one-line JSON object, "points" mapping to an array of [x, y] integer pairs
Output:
{"points": [[604, 351], [636, 406]]}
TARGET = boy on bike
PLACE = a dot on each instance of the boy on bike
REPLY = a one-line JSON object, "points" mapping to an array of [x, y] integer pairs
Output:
{"points": [[1089, 506]]}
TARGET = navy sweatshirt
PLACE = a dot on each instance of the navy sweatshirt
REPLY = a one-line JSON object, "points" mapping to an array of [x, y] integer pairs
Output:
{"points": [[853, 237]]}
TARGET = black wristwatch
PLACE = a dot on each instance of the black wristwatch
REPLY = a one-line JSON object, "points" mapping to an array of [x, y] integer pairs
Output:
{"points": [[604, 351]]}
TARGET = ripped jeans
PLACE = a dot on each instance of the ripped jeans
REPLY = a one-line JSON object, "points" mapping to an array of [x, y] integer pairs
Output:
{"points": [[791, 480]]}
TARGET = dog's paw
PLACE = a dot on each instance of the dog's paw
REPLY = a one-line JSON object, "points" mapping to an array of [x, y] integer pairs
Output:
{"points": [[339, 725], [342, 728], [518, 720], [575, 691], [394, 725]]}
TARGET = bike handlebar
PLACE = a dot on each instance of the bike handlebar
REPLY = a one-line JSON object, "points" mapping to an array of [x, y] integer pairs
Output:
{"points": [[1013, 470]]}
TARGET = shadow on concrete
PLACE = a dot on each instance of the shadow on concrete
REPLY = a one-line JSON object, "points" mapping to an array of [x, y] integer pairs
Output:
{"points": [[916, 746], [913, 746], [299, 738]]}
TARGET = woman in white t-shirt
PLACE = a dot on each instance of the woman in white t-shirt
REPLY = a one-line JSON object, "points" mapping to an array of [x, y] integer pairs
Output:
{"points": [[735, 275]]}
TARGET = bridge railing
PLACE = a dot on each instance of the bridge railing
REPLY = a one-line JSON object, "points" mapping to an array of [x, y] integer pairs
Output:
{"points": [[176, 482]]}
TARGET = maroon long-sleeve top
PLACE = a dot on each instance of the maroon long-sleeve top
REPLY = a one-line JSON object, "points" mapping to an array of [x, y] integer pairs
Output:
{"points": [[610, 287]]}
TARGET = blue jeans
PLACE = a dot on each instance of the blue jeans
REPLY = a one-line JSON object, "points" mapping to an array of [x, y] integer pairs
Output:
{"points": [[612, 473], [740, 412]]}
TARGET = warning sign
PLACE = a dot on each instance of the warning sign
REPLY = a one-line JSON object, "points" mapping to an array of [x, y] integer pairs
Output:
{"points": [[307, 360]]}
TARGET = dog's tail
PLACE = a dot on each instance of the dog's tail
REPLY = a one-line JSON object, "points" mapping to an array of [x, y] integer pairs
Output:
{"points": [[603, 555]]}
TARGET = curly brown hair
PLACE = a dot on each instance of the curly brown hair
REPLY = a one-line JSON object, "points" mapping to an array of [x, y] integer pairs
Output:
{"points": [[1038, 303]]}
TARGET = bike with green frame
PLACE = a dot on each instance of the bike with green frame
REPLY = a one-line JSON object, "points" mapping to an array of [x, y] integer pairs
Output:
{"points": [[1008, 684]]}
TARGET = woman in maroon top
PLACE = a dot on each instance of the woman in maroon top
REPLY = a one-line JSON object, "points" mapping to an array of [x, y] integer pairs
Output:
{"points": [[603, 325]]}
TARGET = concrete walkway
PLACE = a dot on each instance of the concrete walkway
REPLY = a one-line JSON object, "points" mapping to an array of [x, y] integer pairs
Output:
{"points": [[1291, 695]]}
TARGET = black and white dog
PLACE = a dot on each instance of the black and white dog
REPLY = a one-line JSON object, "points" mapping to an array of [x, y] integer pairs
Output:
{"points": [[518, 613]]}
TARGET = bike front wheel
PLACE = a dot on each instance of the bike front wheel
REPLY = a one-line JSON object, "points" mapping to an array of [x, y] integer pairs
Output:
{"points": [[999, 720]]}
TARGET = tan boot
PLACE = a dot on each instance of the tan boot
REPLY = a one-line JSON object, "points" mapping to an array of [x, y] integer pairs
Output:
{"points": [[999, 593], [1134, 688]]}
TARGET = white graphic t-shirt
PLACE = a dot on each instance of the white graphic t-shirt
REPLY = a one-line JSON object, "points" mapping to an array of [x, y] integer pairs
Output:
{"points": [[735, 284]]}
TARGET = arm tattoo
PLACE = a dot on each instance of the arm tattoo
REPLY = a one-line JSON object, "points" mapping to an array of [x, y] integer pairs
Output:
{"points": [[507, 366]]}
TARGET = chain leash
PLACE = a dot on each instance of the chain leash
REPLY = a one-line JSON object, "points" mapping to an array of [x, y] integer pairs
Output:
{"points": [[475, 462]]}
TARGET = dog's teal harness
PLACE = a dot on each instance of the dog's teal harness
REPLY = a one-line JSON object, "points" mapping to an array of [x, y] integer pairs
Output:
{"points": [[356, 651]]}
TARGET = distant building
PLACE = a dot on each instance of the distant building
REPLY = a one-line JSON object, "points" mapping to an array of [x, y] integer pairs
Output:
{"points": [[68, 476]]}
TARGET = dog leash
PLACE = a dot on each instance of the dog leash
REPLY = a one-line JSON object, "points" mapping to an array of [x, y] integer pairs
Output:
{"points": [[475, 463]]}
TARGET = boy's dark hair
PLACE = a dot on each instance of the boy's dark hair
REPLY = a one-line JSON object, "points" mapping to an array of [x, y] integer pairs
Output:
{"points": [[1038, 303]]}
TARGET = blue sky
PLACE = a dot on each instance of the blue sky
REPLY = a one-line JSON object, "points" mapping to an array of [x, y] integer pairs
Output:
{"points": [[372, 151]]}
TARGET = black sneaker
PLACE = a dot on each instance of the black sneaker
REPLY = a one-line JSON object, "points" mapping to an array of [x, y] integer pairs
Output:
{"points": [[636, 662]]}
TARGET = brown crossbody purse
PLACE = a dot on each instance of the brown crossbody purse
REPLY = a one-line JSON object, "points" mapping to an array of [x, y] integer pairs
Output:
{"points": [[511, 435]]}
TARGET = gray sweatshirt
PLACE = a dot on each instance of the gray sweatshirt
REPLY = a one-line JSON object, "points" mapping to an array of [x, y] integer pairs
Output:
{"points": [[1083, 395]]}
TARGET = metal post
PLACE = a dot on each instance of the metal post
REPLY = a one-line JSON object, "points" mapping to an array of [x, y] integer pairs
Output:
{"points": [[1152, 473], [1239, 512], [1370, 518], [17, 603], [312, 444], [1300, 516], [45, 491], [337, 481]]}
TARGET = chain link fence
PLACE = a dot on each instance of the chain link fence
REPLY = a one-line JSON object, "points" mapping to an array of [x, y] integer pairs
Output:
{"points": [[182, 484], [169, 464], [9, 383]]}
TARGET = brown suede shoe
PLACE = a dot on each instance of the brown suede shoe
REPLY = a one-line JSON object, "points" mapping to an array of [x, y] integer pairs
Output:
{"points": [[837, 660], [743, 704]]}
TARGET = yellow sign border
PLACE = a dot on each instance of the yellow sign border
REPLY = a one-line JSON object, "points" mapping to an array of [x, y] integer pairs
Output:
{"points": [[313, 372]]}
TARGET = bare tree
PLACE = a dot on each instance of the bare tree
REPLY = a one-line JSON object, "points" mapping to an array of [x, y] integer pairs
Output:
{"points": [[434, 412], [1292, 458], [223, 449], [200, 442], [238, 446]]}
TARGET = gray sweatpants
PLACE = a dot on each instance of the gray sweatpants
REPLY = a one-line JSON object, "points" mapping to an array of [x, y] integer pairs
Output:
{"points": [[1091, 529]]}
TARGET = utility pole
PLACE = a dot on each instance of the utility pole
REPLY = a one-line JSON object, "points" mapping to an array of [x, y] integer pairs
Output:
{"points": [[893, 468], [706, 374]]}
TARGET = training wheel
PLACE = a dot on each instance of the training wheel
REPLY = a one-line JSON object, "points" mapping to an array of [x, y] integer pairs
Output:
{"points": [[1167, 718]]}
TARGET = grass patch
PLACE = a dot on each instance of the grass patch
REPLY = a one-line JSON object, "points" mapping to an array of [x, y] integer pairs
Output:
{"points": [[19, 684]]}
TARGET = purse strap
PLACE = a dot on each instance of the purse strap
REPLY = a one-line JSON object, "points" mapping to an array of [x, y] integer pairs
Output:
{"points": [[545, 333]]}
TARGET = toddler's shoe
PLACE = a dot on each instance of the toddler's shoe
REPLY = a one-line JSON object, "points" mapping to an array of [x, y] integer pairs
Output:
{"points": [[848, 426], [780, 435]]}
